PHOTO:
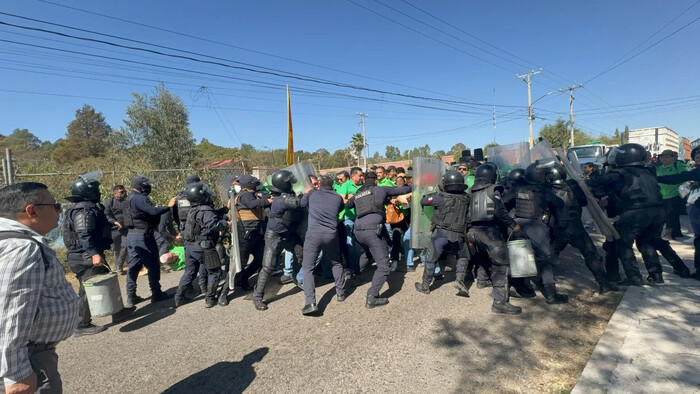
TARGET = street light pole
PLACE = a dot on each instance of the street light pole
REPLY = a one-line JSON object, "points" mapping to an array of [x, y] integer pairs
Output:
{"points": [[272, 152]]}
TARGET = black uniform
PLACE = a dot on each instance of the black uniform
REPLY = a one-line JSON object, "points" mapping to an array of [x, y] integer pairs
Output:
{"points": [[568, 228], [324, 206], [532, 205], [142, 219], [114, 209], [250, 224], [280, 234], [370, 231], [86, 232], [449, 226], [641, 218], [200, 235], [488, 225]]}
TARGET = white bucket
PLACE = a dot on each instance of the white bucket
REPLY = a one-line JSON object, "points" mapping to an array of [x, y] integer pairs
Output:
{"points": [[104, 297], [522, 259]]}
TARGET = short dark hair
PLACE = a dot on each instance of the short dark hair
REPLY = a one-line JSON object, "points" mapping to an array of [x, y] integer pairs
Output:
{"points": [[371, 175], [344, 173], [400, 170], [313, 177], [326, 182], [118, 187], [355, 170], [590, 164], [15, 198], [378, 167]]}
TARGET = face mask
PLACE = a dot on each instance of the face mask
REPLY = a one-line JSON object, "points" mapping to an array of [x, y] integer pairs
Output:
{"points": [[146, 189], [237, 188]]}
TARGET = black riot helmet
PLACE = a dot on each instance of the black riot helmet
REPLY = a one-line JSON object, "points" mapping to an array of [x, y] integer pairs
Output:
{"points": [[487, 172], [628, 155], [535, 175], [516, 176], [453, 182], [282, 180], [86, 190], [556, 175], [198, 193]]}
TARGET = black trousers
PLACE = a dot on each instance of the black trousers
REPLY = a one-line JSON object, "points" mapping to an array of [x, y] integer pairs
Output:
{"points": [[490, 246], [250, 243], [643, 226], [274, 244], [83, 269], [119, 248], [674, 206], [44, 361], [575, 235]]}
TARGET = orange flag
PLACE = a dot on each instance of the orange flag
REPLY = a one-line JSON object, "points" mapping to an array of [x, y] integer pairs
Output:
{"points": [[290, 135]]}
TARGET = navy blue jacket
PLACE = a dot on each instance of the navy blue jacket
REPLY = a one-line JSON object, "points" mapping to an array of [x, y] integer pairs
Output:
{"points": [[324, 207], [380, 195]]}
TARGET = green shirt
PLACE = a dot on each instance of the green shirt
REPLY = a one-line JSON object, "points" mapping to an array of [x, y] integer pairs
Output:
{"points": [[386, 182], [670, 191], [469, 178], [347, 188]]}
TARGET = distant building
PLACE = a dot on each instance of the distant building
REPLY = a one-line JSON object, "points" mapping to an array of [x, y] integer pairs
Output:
{"points": [[695, 143], [684, 149], [655, 139]]}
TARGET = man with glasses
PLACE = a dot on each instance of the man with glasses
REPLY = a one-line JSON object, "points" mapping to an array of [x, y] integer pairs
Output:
{"points": [[40, 307], [340, 179], [114, 209]]}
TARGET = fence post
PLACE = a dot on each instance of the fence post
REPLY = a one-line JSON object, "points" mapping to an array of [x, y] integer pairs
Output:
{"points": [[10, 169]]}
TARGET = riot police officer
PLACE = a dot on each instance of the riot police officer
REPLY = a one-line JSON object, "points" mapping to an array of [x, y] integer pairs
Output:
{"points": [[280, 234], [249, 206], [568, 227], [449, 225], [200, 235], [533, 203], [370, 231], [114, 209], [489, 224], [142, 218], [642, 214], [86, 234]]}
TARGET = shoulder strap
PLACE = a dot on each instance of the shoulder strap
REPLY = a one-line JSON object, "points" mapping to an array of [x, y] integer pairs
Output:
{"points": [[19, 235]]}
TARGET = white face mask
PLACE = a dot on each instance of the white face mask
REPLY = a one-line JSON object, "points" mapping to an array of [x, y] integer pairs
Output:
{"points": [[237, 188]]}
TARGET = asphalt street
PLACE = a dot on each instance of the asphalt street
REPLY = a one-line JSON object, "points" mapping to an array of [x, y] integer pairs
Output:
{"points": [[437, 343]]}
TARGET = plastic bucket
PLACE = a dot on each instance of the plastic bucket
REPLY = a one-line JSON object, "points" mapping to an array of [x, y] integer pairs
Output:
{"points": [[522, 259], [103, 294]]}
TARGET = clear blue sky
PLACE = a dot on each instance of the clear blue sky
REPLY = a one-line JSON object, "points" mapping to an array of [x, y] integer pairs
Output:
{"points": [[343, 42]]}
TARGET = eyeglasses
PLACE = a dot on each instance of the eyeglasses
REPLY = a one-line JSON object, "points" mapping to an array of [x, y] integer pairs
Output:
{"points": [[461, 169], [56, 206]]}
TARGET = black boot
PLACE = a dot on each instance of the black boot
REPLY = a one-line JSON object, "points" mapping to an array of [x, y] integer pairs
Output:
{"points": [[309, 309], [373, 301], [605, 286], [424, 286], [505, 307], [552, 297], [683, 273], [259, 304], [209, 302], [655, 278], [223, 297], [480, 284], [631, 281], [522, 288], [462, 289], [132, 300]]}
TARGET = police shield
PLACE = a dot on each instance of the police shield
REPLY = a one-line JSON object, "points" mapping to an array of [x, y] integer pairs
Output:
{"points": [[92, 176], [234, 253], [508, 157], [301, 172], [427, 175]]}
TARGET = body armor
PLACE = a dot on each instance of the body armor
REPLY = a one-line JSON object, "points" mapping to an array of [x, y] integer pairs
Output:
{"points": [[452, 216], [78, 218], [292, 214], [365, 202], [571, 210], [640, 190], [246, 214], [528, 203], [137, 220], [183, 208], [192, 232], [482, 205]]}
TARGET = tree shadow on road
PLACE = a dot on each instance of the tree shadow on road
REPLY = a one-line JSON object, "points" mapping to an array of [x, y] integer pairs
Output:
{"points": [[148, 314], [222, 377]]}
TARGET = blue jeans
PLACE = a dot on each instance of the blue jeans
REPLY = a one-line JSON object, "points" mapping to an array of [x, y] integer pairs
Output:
{"points": [[694, 217], [353, 255], [410, 252]]}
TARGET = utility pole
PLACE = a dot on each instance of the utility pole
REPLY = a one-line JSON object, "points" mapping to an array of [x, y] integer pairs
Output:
{"points": [[526, 78], [363, 118], [571, 108]]}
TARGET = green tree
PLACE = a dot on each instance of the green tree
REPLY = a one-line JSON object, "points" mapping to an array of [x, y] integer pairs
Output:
{"points": [[489, 145], [86, 136], [20, 138], [357, 144], [439, 154], [392, 153], [208, 152], [159, 125], [626, 135], [26, 148], [558, 135]]}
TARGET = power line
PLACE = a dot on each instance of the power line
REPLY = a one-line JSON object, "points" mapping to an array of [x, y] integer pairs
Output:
{"points": [[644, 50]]}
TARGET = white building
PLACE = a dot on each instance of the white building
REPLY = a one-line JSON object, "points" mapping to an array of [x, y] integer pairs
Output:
{"points": [[655, 139]]}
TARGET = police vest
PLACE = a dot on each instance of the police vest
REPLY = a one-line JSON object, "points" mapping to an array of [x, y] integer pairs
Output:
{"points": [[192, 232], [571, 211], [183, 208], [528, 203], [365, 202], [91, 220], [640, 190], [289, 216], [246, 214], [482, 206], [452, 215], [136, 219]]}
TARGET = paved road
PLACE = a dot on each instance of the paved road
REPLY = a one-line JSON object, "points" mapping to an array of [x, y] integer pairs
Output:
{"points": [[436, 343]]}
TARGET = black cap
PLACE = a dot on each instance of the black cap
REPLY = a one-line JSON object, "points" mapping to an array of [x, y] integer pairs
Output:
{"points": [[192, 179], [139, 180]]}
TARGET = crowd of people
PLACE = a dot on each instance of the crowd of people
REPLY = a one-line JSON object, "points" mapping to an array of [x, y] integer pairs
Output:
{"points": [[337, 226]]}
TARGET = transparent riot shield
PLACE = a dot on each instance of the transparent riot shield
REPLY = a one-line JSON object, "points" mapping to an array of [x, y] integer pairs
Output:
{"points": [[92, 176], [427, 175], [508, 157], [235, 265], [543, 151], [301, 173]]}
